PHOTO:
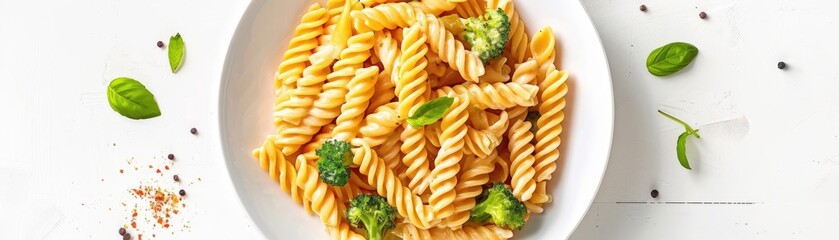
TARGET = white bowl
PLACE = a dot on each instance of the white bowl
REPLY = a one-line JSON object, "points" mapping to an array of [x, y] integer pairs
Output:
{"points": [[246, 97]]}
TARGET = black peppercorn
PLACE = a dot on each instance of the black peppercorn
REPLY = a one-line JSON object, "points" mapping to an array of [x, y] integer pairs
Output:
{"points": [[654, 193], [643, 8], [160, 44], [703, 15], [176, 178], [121, 231], [193, 131], [782, 65], [171, 156], [182, 192]]}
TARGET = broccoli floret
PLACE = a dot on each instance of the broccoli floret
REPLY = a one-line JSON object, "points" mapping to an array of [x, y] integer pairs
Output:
{"points": [[499, 207], [334, 162], [487, 35], [374, 213]]}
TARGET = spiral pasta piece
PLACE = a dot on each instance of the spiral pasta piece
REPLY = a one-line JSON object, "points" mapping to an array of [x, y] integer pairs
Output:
{"points": [[384, 16], [525, 74], [324, 134], [339, 26], [550, 123], [380, 125], [303, 97], [443, 43], [517, 48], [436, 67], [540, 196], [486, 232], [449, 78], [469, 185], [447, 163], [500, 123], [543, 49], [408, 205], [389, 150], [411, 84], [415, 156], [502, 169], [372, 3], [469, 8], [343, 232], [328, 104], [496, 71], [279, 169], [495, 96], [301, 46], [480, 142], [434, 7], [387, 49], [347, 192], [522, 160], [410, 90], [383, 92], [357, 99], [323, 200]]}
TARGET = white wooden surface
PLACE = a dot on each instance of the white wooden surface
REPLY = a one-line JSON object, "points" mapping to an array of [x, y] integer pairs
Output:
{"points": [[763, 169]]}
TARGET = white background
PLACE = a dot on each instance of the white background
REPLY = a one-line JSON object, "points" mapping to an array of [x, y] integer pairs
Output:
{"points": [[762, 170]]}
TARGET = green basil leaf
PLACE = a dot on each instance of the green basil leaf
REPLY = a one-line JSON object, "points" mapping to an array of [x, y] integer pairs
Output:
{"points": [[688, 129], [130, 98], [671, 58], [680, 150], [176, 52], [430, 112]]}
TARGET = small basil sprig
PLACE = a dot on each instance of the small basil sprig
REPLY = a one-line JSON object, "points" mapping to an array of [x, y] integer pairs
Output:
{"points": [[130, 98], [430, 112], [671, 58], [176, 52], [681, 141]]}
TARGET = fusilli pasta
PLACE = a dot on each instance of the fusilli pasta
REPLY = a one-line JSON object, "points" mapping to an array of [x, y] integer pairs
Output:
{"points": [[447, 163], [301, 46], [443, 43], [357, 99], [549, 124], [323, 200], [358, 71], [521, 157], [495, 96], [379, 175], [410, 89]]}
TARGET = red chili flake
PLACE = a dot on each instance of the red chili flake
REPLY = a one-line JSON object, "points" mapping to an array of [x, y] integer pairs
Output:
{"points": [[134, 224], [134, 215], [150, 167], [158, 171], [120, 171], [167, 167], [166, 225]]}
